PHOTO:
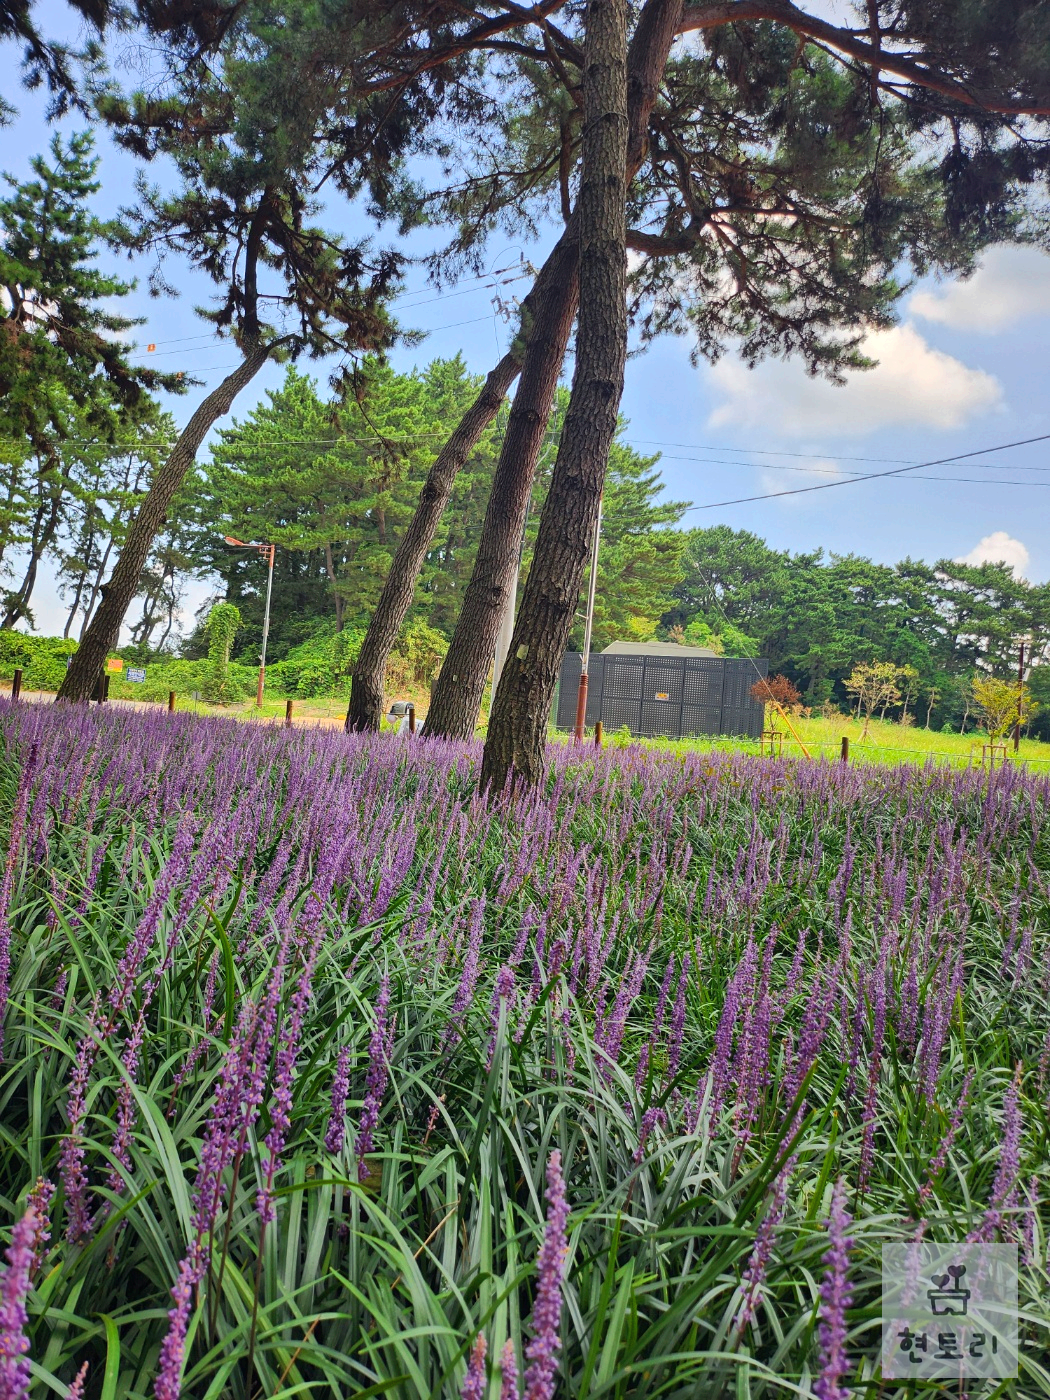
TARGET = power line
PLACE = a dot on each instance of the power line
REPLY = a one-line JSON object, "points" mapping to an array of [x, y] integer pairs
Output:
{"points": [[443, 296], [875, 476]]}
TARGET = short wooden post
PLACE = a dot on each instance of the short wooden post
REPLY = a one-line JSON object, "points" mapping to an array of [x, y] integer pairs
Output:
{"points": [[597, 734], [171, 702], [288, 714], [845, 748], [16, 683], [411, 719], [105, 689]]}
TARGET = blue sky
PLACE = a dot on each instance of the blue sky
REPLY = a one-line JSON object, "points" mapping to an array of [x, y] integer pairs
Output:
{"points": [[966, 369]]}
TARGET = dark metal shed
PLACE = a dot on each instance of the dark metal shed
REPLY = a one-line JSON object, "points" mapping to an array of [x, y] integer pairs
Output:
{"points": [[660, 694]]}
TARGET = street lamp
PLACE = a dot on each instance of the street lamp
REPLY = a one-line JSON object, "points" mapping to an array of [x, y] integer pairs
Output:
{"points": [[267, 551]]}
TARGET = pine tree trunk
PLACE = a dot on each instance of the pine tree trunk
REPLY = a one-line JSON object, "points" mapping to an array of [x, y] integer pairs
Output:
{"points": [[516, 744], [461, 683], [457, 693], [369, 675], [103, 632], [43, 534]]}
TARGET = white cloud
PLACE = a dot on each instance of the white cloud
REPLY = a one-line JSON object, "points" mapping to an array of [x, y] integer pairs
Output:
{"points": [[912, 385], [998, 548], [1010, 285]]}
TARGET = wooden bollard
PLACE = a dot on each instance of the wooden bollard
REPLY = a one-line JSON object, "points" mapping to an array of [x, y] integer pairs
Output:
{"points": [[411, 719], [288, 714], [171, 702], [103, 693], [845, 748], [16, 683], [597, 734]]}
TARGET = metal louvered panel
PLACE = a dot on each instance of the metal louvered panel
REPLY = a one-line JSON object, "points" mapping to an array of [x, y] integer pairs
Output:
{"points": [[624, 677], [702, 682], [595, 687], [701, 719], [664, 695], [660, 717], [663, 683]]}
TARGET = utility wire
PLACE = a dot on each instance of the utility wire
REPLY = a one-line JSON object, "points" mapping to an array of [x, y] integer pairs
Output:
{"points": [[873, 476]]}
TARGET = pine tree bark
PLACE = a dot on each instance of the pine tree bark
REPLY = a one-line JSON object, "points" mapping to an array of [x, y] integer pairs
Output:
{"points": [[103, 632], [459, 688], [516, 744], [457, 694], [369, 674]]}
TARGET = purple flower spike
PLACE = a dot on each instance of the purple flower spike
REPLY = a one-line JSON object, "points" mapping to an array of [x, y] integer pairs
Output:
{"points": [[335, 1135], [375, 1084], [474, 1382], [14, 1286], [76, 1390], [543, 1350], [508, 1365], [835, 1294], [168, 1385]]}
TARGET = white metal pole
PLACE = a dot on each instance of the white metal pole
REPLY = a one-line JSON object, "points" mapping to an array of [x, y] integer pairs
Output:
{"points": [[506, 629], [592, 588], [266, 631]]}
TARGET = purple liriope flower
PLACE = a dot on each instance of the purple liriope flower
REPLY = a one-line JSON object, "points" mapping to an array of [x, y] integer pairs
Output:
{"points": [[14, 848], [39, 1201], [76, 1389], [284, 1076], [376, 1078], [835, 1294], [475, 1381], [1028, 1255], [762, 1252], [14, 1289], [504, 991], [62, 982], [1004, 1187], [508, 1365], [948, 1140], [471, 969], [542, 1350], [335, 1135], [650, 1118], [168, 1385], [167, 879], [79, 1220], [674, 1052]]}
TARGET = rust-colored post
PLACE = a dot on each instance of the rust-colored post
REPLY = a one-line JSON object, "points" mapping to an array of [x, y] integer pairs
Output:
{"points": [[171, 702], [598, 734], [581, 707], [16, 683], [288, 714], [411, 719], [845, 748]]}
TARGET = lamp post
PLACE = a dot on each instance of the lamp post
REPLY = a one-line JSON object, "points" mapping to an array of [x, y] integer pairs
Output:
{"points": [[592, 588], [267, 551]]}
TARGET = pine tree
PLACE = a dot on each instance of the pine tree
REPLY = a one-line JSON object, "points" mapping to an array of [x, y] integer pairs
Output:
{"points": [[242, 207]]}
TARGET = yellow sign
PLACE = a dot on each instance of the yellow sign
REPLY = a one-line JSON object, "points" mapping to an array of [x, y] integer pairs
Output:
{"points": [[114, 664], [662, 695]]}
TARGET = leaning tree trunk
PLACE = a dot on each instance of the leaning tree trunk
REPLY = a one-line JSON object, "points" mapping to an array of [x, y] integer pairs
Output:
{"points": [[457, 696], [103, 632], [366, 686], [516, 744], [457, 693]]}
